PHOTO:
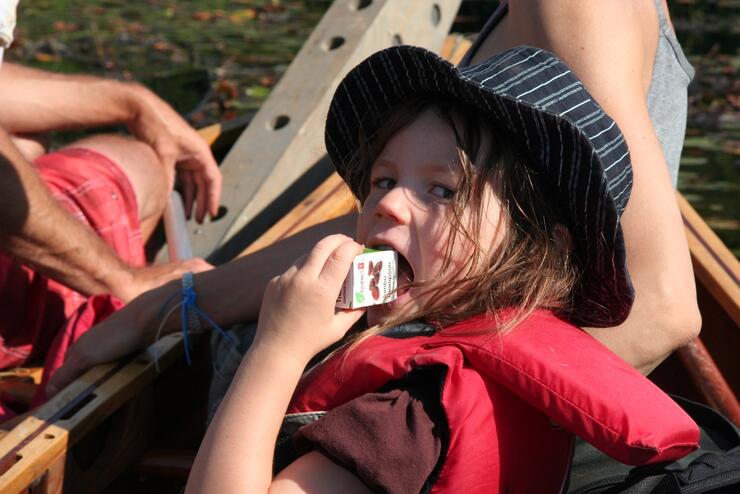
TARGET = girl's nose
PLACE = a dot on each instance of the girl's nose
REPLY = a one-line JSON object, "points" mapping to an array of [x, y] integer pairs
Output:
{"points": [[396, 204]]}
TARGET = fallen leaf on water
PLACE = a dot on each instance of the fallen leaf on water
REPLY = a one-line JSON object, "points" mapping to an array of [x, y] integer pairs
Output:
{"points": [[227, 89], [734, 100], [162, 46], [135, 28], [45, 57], [259, 92], [196, 118], [732, 147], [274, 6], [66, 27], [268, 80], [243, 15]]}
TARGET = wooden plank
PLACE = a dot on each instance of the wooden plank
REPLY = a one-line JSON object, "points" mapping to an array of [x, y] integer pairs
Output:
{"points": [[330, 200], [458, 47], [35, 459], [19, 385], [717, 273], [54, 478], [123, 385], [32, 446], [285, 138], [715, 267], [210, 133], [215, 133]]}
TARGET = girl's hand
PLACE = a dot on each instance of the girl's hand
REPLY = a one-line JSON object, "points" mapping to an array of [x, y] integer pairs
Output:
{"points": [[298, 316]]}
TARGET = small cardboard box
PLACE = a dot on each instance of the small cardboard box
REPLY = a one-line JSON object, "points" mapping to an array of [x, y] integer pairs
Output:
{"points": [[371, 280]]}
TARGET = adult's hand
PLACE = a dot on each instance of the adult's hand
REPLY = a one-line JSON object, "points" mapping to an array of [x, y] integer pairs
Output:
{"points": [[179, 147], [130, 328], [124, 332]]}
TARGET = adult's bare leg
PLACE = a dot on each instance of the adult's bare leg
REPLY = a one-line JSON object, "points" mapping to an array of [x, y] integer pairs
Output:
{"points": [[143, 169]]}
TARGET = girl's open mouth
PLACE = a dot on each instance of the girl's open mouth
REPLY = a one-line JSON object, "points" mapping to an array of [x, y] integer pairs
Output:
{"points": [[405, 274], [405, 270]]}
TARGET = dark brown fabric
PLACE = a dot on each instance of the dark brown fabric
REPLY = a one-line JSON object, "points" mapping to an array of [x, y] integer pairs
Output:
{"points": [[386, 439]]}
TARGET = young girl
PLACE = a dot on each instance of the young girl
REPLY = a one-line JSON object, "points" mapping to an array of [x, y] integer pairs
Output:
{"points": [[500, 186]]}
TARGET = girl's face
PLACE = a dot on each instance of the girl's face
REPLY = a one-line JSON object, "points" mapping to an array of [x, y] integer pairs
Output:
{"points": [[412, 183]]}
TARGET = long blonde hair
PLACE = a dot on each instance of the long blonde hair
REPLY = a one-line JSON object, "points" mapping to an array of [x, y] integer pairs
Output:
{"points": [[531, 269]]}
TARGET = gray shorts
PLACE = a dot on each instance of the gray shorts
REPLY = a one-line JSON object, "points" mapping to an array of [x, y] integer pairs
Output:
{"points": [[226, 357]]}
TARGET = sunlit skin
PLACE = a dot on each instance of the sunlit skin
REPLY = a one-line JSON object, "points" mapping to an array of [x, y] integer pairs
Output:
{"points": [[412, 182]]}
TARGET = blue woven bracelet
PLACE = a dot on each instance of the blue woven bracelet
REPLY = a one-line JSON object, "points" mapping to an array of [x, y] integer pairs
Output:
{"points": [[190, 314]]}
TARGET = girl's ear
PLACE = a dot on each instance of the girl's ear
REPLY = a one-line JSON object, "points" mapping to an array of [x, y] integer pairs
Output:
{"points": [[563, 239]]}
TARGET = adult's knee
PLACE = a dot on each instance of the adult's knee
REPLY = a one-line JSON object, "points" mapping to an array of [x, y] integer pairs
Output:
{"points": [[141, 165]]}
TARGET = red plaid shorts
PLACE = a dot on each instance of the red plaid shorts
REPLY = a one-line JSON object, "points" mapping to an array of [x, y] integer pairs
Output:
{"points": [[33, 308]]}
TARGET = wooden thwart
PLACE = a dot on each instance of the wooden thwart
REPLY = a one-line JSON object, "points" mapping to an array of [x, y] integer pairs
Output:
{"points": [[715, 266]]}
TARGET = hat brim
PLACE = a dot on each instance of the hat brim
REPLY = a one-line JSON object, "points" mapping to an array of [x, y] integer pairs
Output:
{"points": [[562, 129]]}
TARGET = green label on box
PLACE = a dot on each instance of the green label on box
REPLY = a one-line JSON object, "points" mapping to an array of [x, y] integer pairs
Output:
{"points": [[360, 297]]}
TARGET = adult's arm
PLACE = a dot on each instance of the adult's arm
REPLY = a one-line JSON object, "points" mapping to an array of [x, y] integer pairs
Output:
{"points": [[36, 230], [38, 101], [135, 325], [611, 46], [35, 101]]}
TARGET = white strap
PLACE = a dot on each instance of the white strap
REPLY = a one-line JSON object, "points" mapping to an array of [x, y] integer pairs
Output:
{"points": [[7, 22]]}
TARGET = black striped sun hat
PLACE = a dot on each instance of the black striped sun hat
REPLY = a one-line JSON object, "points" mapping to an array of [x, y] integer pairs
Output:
{"points": [[564, 132]]}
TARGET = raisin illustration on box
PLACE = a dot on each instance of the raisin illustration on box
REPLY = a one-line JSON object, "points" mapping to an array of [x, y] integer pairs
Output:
{"points": [[371, 280]]}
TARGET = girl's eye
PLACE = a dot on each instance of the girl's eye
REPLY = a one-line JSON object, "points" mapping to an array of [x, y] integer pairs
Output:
{"points": [[384, 183], [442, 192]]}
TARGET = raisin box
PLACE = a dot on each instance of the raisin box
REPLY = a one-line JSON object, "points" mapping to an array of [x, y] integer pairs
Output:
{"points": [[371, 280]]}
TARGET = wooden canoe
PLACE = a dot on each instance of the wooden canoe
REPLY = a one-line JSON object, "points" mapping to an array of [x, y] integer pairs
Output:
{"points": [[125, 421]]}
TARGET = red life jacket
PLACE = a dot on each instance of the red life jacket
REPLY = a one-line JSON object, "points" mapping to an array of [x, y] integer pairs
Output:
{"points": [[503, 397]]}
